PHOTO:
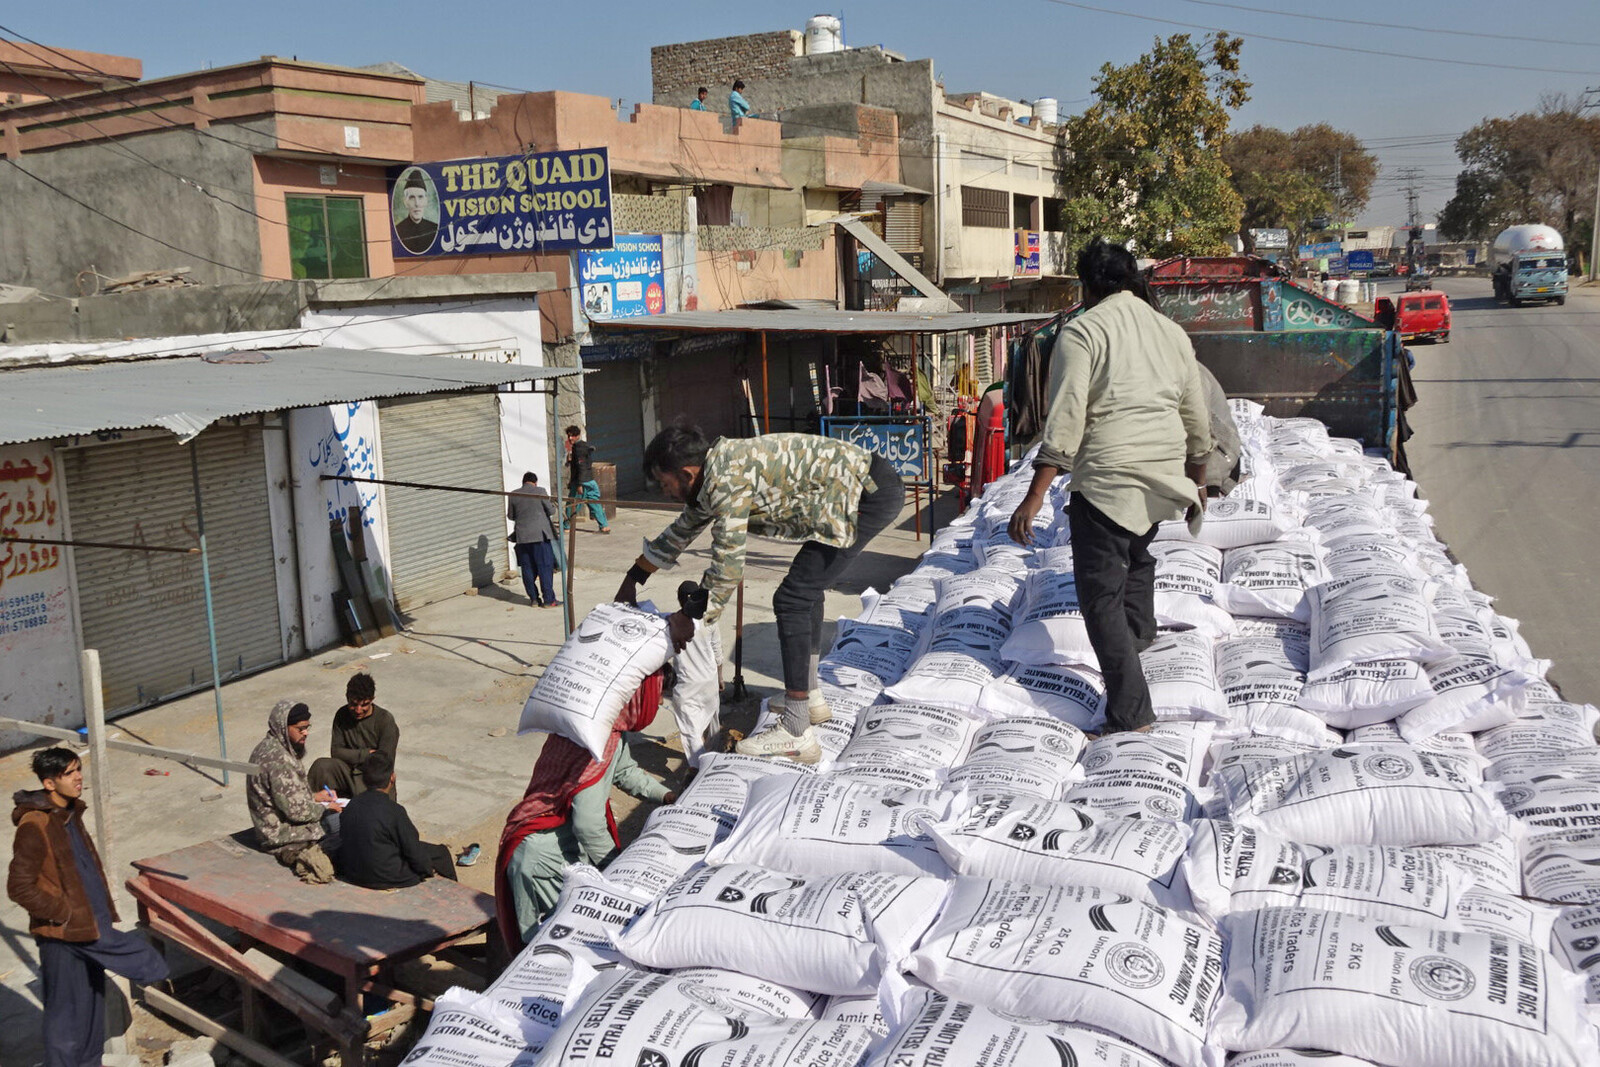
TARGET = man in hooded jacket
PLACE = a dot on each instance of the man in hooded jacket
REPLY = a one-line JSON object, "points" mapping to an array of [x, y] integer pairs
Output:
{"points": [[286, 814], [56, 877]]}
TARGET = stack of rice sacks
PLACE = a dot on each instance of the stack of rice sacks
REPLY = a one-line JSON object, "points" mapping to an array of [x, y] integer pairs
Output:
{"points": [[1365, 826]]}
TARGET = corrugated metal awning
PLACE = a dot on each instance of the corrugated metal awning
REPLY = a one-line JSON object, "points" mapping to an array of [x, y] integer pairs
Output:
{"points": [[822, 320], [185, 394]]}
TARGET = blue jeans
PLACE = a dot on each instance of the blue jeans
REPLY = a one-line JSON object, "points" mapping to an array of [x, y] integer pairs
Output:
{"points": [[589, 491], [538, 558]]}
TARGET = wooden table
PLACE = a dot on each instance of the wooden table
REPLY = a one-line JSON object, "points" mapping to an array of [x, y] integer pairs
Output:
{"points": [[356, 934]]}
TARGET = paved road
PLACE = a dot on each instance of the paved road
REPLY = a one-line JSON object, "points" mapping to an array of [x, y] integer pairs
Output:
{"points": [[1507, 450]]}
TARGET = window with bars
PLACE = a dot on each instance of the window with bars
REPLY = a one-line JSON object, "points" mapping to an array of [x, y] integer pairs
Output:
{"points": [[327, 236], [985, 207]]}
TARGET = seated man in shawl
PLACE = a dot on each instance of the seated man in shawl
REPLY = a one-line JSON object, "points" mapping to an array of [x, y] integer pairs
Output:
{"points": [[565, 816]]}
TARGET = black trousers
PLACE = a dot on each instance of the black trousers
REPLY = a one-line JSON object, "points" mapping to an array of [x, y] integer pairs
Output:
{"points": [[444, 864], [74, 975], [798, 601], [1115, 574]]}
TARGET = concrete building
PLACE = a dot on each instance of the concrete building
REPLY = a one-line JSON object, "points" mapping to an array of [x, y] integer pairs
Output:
{"points": [[31, 72], [406, 415], [977, 169]]}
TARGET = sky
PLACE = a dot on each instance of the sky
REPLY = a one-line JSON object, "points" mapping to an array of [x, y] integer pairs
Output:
{"points": [[1406, 105]]}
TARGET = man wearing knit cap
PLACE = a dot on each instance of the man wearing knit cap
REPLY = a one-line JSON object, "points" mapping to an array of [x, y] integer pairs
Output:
{"points": [[286, 814]]}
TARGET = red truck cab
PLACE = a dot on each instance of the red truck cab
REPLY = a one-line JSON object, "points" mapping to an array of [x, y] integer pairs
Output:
{"points": [[1416, 316]]}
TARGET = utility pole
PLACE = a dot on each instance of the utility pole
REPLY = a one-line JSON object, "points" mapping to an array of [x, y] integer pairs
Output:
{"points": [[1409, 179], [1591, 98]]}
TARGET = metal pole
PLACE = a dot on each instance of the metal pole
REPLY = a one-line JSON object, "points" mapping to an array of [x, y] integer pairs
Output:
{"points": [[94, 717], [211, 616], [1594, 242], [766, 394], [739, 691], [566, 582], [572, 553]]}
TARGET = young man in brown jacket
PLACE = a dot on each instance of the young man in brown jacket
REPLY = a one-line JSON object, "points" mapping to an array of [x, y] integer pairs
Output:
{"points": [[57, 878]]}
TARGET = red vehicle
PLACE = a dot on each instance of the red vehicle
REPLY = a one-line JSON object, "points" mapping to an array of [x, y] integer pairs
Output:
{"points": [[1416, 316]]}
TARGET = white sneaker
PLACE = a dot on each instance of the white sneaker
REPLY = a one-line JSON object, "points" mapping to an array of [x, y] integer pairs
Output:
{"points": [[778, 743], [817, 707]]}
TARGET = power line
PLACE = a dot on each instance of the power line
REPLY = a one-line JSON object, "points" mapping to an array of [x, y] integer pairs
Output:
{"points": [[1316, 44], [1395, 26]]}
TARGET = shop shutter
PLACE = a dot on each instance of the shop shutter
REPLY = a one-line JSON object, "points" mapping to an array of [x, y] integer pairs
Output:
{"points": [[440, 543], [903, 225], [145, 612], [983, 358], [615, 426], [703, 389]]}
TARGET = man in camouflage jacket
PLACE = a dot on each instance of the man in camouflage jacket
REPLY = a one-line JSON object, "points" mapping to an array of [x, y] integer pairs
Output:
{"points": [[833, 496], [285, 813]]}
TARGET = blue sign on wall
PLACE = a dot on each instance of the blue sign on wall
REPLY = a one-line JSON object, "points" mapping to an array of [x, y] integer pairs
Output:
{"points": [[544, 202], [628, 282], [901, 441], [1322, 248]]}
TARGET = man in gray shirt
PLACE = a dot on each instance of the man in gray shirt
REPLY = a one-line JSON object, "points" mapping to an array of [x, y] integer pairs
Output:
{"points": [[534, 532]]}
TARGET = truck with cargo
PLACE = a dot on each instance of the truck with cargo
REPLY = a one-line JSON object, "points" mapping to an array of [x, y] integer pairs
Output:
{"points": [[1529, 263]]}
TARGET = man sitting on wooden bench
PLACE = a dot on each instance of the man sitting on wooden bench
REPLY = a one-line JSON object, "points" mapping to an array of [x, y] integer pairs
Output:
{"points": [[360, 729], [379, 847]]}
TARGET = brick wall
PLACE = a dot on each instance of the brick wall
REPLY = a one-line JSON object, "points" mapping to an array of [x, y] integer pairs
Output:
{"points": [[679, 69]]}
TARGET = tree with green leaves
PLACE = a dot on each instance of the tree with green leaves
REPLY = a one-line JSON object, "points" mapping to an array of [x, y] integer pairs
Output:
{"points": [[1535, 167], [1144, 163], [1286, 178]]}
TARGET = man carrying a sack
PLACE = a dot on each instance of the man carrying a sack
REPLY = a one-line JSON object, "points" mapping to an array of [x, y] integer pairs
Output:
{"points": [[831, 495]]}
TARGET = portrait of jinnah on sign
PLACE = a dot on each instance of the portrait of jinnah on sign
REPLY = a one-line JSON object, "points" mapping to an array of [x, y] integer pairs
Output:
{"points": [[416, 210]]}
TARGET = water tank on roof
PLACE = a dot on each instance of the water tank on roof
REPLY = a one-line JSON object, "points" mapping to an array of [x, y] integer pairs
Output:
{"points": [[1045, 110], [824, 33]]}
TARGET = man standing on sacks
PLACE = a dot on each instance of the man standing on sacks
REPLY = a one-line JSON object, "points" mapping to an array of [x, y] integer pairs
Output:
{"points": [[1128, 419]]}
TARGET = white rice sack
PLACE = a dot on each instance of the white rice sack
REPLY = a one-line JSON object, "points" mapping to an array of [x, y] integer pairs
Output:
{"points": [[1563, 869], [1359, 620], [908, 604], [814, 825], [1078, 953], [1262, 663], [1361, 694], [1180, 669], [1236, 520], [1306, 978], [1271, 579], [950, 677], [942, 1032], [1353, 554], [1456, 745], [1280, 720], [653, 1020], [973, 612], [1149, 775], [1231, 868], [858, 1011], [1258, 749], [880, 650], [724, 780], [1035, 756], [1544, 730], [1028, 839], [468, 1029], [536, 987], [589, 914], [826, 935], [1494, 865], [1581, 764], [1556, 806], [1075, 695], [595, 673], [1364, 794], [1577, 937], [1186, 587], [1177, 749], [1345, 517], [1470, 693], [1048, 627], [754, 996], [673, 840], [897, 777], [916, 735], [1485, 912], [1295, 1057]]}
